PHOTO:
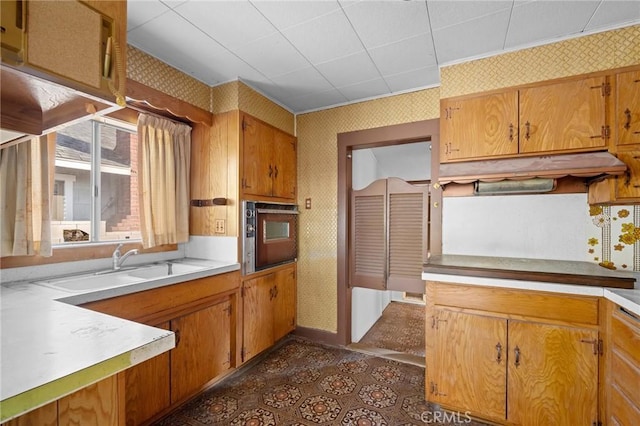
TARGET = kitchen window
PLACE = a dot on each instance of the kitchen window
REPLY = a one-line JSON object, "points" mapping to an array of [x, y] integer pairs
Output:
{"points": [[95, 189]]}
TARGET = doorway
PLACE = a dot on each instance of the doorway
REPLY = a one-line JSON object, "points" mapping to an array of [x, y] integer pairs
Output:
{"points": [[352, 146]]}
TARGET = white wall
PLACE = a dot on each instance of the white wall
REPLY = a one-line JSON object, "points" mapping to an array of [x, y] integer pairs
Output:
{"points": [[549, 226]]}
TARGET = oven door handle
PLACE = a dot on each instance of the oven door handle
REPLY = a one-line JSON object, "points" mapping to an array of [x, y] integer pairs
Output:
{"points": [[275, 211]]}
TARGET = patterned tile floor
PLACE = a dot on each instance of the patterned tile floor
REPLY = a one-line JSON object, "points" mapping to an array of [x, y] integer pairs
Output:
{"points": [[400, 329], [304, 383]]}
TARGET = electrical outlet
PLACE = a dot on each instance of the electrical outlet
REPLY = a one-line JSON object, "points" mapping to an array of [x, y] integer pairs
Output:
{"points": [[307, 203], [220, 226]]}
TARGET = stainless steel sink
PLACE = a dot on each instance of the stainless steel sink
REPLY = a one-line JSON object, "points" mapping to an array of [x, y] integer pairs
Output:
{"points": [[102, 280]]}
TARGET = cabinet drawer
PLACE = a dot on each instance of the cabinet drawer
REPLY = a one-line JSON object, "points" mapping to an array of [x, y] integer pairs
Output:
{"points": [[622, 410], [525, 303], [159, 304], [625, 332]]}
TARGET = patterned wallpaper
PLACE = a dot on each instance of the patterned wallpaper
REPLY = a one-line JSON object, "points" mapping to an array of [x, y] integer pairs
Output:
{"points": [[317, 179], [156, 74], [614, 237], [597, 52]]}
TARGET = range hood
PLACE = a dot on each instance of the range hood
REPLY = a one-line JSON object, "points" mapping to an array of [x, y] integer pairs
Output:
{"points": [[587, 165]]}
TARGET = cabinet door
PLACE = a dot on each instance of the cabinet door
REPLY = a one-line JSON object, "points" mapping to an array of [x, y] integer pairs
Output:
{"points": [[479, 127], [563, 116], [468, 370], [553, 375], [258, 169], [284, 302], [203, 349], [147, 387], [258, 333], [628, 107], [628, 185], [284, 159]]}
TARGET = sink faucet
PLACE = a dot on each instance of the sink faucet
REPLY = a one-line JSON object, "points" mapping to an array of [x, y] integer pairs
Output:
{"points": [[119, 258]]}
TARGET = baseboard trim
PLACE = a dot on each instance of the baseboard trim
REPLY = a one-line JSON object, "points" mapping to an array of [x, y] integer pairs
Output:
{"points": [[317, 335]]}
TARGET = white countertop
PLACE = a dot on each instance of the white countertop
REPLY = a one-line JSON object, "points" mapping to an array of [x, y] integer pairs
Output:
{"points": [[50, 348]]}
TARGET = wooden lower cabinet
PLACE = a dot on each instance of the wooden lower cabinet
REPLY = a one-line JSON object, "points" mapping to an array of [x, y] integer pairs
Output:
{"points": [[203, 349], [269, 309], [506, 366], [99, 404], [622, 377], [203, 314]]}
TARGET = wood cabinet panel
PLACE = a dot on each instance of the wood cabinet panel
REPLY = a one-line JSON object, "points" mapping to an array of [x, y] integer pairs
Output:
{"points": [[535, 304], [469, 369], [285, 169], [96, 405], [552, 374], [284, 310], [202, 351], [628, 108], [479, 127], [147, 387], [628, 185], [46, 415], [258, 324], [563, 116]]}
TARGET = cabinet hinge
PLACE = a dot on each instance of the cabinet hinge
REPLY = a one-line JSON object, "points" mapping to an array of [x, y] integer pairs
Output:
{"points": [[228, 309], [244, 125], [606, 132], [242, 354], [596, 424], [242, 292], [606, 89], [600, 347], [229, 358]]}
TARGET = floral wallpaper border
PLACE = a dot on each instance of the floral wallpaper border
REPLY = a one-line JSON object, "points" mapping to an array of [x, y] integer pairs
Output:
{"points": [[614, 238]]}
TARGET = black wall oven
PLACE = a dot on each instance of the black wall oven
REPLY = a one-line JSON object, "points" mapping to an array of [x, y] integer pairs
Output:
{"points": [[270, 235]]}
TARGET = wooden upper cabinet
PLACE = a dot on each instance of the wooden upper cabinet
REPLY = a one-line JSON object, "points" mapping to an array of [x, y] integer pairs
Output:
{"points": [[481, 126], [566, 116], [269, 161], [628, 108]]}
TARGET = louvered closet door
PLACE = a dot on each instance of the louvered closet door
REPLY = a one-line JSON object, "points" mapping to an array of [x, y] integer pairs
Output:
{"points": [[408, 216], [367, 252]]}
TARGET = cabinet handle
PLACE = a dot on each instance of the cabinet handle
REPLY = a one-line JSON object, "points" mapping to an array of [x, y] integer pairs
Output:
{"points": [[270, 170], [271, 296], [177, 334], [511, 132], [276, 169], [275, 291], [498, 353], [527, 133], [516, 351], [627, 114]]}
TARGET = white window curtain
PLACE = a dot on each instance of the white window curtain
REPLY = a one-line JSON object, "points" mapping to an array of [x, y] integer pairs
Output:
{"points": [[25, 191], [164, 155]]}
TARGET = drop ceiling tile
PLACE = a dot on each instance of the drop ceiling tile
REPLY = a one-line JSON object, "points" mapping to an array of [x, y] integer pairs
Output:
{"points": [[349, 69], [230, 23], [538, 21], [382, 22], [405, 55], [324, 38], [178, 43], [316, 100], [272, 55], [140, 12], [612, 12], [443, 14], [473, 38], [365, 89], [424, 77], [306, 80], [285, 14]]}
